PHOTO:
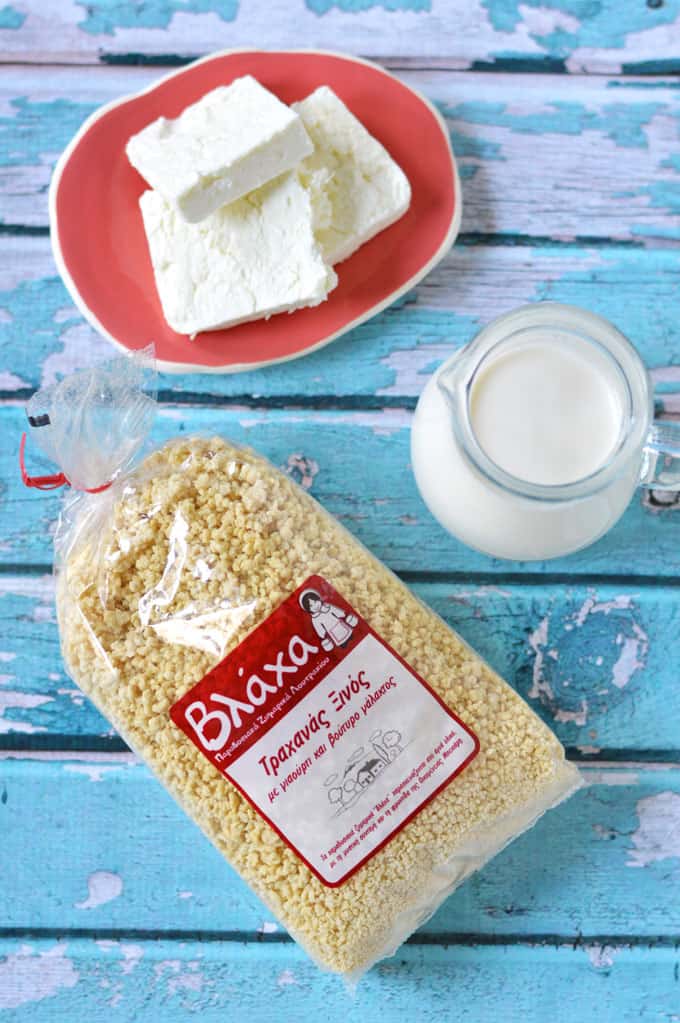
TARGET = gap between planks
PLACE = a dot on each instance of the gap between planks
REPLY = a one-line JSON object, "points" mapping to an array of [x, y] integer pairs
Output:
{"points": [[539, 65], [596, 765], [200, 401], [31, 746], [554, 941], [469, 239], [527, 580]]}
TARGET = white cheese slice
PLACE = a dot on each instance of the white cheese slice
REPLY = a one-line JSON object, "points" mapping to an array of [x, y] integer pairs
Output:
{"points": [[230, 142], [250, 259], [357, 189]]}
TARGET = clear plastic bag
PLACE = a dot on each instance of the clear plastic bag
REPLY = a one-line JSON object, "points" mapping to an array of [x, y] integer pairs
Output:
{"points": [[171, 569], [93, 423]]}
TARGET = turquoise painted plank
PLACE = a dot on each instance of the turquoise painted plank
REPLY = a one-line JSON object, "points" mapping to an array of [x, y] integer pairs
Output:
{"points": [[578, 25], [597, 663], [10, 17], [104, 17], [570, 34], [621, 140], [144, 982], [358, 467], [607, 862], [386, 360]]}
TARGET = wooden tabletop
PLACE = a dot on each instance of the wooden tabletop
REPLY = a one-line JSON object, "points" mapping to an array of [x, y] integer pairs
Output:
{"points": [[564, 116]]}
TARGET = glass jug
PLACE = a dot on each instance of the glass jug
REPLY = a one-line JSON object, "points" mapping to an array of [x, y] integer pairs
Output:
{"points": [[501, 513]]}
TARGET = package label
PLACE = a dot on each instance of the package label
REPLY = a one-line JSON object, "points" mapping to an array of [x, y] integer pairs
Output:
{"points": [[326, 731]]}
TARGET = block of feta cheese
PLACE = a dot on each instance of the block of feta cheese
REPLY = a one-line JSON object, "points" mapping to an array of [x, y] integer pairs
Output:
{"points": [[357, 189], [230, 142], [253, 258]]}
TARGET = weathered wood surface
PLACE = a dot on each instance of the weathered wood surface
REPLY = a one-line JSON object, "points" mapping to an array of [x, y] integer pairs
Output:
{"points": [[547, 157], [606, 863], [385, 361], [336, 455], [99, 980], [592, 660], [604, 36], [572, 192]]}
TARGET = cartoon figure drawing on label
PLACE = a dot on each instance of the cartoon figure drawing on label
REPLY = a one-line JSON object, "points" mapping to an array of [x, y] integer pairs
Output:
{"points": [[362, 769], [332, 625]]}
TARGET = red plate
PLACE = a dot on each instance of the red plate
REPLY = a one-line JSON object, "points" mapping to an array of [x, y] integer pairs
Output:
{"points": [[100, 247]]}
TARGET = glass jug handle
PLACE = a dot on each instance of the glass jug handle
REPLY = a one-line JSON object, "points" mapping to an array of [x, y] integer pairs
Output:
{"points": [[661, 457]]}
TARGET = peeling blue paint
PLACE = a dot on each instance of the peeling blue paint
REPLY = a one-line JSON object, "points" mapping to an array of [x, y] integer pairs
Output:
{"points": [[471, 151], [35, 669], [105, 16], [660, 83], [175, 980], [38, 128], [33, 306], [598, 20], [10, 17], [583, 678], [357, 6], [465, 145], [402, 327], [673, 160], [654, 231], [611, 287], [430, 367], [504, 17], [112, 826], [623, 123], [665, 195]]}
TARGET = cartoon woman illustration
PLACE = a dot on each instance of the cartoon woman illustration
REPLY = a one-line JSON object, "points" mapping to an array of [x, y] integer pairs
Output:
{"points": [[331, 624]]}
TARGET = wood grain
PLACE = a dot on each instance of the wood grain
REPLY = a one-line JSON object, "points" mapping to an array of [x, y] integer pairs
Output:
{"points": [[338, 453], [112, 906], [49, 981], [129, 860], [601, 37], [384, 362], [592, 660], [601, 168]]}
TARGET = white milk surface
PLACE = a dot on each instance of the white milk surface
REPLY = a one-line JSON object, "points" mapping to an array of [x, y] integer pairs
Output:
{"points": [[547, 413]]}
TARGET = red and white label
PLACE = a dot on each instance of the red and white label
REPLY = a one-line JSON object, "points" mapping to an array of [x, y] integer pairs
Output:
{"points": [[326, 731]]}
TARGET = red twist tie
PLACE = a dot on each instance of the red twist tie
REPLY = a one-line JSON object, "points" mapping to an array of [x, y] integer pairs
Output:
{"points": [[58, 479]]}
